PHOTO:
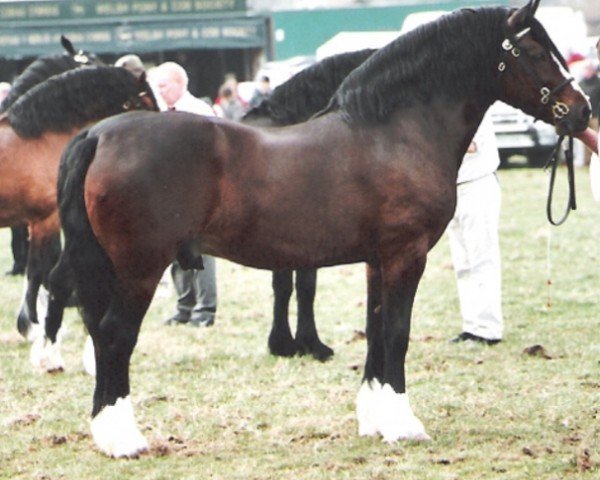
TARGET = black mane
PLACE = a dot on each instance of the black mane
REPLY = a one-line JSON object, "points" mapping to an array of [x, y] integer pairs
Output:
{"points": [[39, 71], [449, 56], [309, 90], [73, 99]]}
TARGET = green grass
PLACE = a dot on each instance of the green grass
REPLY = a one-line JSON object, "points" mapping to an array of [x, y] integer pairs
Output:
{"points": [[215, 405]]}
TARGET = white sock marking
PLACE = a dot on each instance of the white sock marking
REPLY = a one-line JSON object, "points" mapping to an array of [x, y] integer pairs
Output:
{"points": [[115, 431], [382, 410], [46, 355], [366, 407], [89, 357]]}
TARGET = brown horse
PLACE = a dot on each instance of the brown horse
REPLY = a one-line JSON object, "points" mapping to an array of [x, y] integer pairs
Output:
{"points": [[372, 179], [33, 134], [38, 71]]}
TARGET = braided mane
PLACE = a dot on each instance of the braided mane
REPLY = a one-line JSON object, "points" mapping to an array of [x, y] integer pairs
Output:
{"points": [[309, 90], [39, 71], [73, 99], [455, 54]]}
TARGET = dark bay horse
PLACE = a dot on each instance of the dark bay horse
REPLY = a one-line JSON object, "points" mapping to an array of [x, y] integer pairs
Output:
{"points": [[295, 101], [371, 179], [38, 71], [33, 133]]}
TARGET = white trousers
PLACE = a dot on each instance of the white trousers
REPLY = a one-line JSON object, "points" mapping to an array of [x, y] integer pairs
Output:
{"points": [[473, 234]]}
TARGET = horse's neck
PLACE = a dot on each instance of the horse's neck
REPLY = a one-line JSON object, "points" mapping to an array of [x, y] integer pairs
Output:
{"points": [[448, 126]]}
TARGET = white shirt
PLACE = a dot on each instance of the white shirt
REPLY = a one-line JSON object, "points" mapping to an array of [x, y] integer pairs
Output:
{"points": [[485, 159], [191, 104]]}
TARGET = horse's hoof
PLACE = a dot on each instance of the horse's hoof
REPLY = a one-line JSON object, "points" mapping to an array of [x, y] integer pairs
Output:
{"points": [[281, 346], [29, 330], [316, 348], [23, 324], [322, 352], [396, 420], [46, 355], [115, 431]]}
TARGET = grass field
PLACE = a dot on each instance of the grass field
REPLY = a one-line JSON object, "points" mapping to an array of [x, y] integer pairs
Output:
{"points": [[215, 405]]}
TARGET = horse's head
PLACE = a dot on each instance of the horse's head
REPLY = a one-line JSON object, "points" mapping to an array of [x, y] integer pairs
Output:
{"points": [[143, 98], [533, 75], [83, 58]]}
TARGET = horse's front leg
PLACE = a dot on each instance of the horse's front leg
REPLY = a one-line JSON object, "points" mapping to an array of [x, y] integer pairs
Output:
{"points": [[388, 410], [307, 338], [366, 401], [281, 342]]}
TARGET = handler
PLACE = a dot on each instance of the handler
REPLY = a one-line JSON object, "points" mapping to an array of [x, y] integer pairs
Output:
{"points": [[473, 234]]}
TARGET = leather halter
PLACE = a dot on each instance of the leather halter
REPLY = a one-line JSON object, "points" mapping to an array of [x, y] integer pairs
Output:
{"points": [[143, 100], [510, 46]]}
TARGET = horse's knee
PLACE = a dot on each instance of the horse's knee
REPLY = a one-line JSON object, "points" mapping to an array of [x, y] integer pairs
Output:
{"points": [[306, 283], [283, 284]]}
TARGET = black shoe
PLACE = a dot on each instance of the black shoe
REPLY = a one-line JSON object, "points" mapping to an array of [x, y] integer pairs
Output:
{"points": [[464, 336], [177, 319], [202, 323]]}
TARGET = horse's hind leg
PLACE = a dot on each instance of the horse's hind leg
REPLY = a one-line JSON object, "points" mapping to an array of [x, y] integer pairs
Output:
{"points": [[307, 337], [19, 245], [382, 404], [113, 422], [44, 250], [27, 321], [45, 352], [281, 342]]}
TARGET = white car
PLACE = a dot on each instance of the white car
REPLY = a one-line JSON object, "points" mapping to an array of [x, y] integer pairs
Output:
{"points": [[519, 134]]}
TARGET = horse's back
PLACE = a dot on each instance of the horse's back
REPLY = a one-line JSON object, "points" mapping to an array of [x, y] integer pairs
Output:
{"points": [[147, 169]]}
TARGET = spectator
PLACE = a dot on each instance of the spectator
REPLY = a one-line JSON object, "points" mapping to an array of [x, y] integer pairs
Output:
{"points": [[230, 106], [262, 92], [231, 83], [196, 289], [131, 62]]}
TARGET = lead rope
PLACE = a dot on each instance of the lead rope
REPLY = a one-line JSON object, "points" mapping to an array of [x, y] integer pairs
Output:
{"points": [[571, 205], [553, 164], [549, 267]]}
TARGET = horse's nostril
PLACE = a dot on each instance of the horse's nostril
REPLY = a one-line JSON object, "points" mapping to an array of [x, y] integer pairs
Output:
{"points": [[586, 112]]}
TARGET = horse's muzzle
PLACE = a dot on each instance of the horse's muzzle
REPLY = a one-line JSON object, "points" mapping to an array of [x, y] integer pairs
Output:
{"points": [[575, 121]]}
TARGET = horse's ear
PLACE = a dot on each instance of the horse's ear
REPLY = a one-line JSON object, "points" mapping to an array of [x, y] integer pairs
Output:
{"points": [[67, 45], [521, 18]]}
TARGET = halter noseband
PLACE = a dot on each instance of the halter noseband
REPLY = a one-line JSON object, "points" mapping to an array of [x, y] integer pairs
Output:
{"points": [[510, 46]]}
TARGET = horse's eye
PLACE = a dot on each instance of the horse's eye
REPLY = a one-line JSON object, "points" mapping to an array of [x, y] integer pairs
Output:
{"points": [[539, 56]]}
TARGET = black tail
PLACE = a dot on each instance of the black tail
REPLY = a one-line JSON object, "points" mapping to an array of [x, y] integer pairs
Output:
{"points": [[93, 273]]}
